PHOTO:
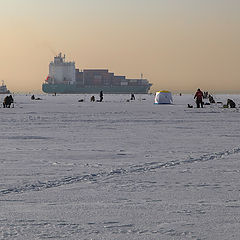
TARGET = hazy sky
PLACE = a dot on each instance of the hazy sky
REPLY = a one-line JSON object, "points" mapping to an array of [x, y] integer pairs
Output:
{"points": [[178, 45]]}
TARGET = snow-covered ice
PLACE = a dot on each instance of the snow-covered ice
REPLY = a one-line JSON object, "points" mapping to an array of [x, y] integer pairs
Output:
{"points": [[118, 169]]}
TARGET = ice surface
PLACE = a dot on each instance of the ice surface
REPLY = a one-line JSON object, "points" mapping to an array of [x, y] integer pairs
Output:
{"points": [[119, 169]]}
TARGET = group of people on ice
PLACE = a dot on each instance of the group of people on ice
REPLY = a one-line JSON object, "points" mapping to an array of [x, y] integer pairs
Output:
{"points": [[199, 95], [8, 100], [92, 99]]}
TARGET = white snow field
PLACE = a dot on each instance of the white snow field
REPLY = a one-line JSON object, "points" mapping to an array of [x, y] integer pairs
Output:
{"points": [[119, 170]]}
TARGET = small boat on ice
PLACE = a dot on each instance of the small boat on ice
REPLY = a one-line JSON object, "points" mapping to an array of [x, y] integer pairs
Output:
{"points": [[3, 89]]}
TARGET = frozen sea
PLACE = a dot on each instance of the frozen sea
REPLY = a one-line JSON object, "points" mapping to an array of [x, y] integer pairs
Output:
{"points": [[119, 170]]}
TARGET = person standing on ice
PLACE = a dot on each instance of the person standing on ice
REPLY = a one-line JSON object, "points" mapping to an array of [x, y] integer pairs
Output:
{"points": [[132, 97], [101, 96], [199, 97]]}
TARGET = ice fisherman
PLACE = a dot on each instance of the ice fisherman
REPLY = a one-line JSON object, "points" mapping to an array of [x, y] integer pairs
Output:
{"points": [[132, 96], [231, 103], [92, 99], [101, 96], [199, 97], [8, 100], [211, 99]]}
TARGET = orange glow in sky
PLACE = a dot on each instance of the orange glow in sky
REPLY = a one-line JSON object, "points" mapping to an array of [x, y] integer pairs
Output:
{"points": [[177, 45]]}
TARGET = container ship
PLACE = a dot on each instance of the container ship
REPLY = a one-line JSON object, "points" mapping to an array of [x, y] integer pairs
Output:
{"points": [[64, 78]]}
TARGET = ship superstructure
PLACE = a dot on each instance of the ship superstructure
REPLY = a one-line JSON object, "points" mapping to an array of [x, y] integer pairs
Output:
{"points": [[3, 89], [65, 78], [61, 71]]}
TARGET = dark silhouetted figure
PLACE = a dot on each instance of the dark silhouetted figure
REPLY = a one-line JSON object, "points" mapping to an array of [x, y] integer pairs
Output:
{"points": [[199, 97], [231, 103], [190, 106], [32, 97], [11, 100], [210, 98], [8, 100], [132, 97], [101, 96], [92, 99], [205, 94]]}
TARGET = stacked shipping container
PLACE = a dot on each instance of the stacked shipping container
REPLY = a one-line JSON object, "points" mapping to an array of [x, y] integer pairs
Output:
{"points": [[102, 77]]}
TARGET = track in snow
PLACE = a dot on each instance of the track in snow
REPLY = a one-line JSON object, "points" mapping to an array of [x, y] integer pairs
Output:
{"points": [[93, 177]]}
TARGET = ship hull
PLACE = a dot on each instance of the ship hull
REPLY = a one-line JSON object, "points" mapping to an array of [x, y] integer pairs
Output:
{"points": [[6, 92], [76, 89]]}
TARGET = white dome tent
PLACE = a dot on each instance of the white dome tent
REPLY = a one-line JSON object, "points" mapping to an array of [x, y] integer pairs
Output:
{"points": [[163, 97]]}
